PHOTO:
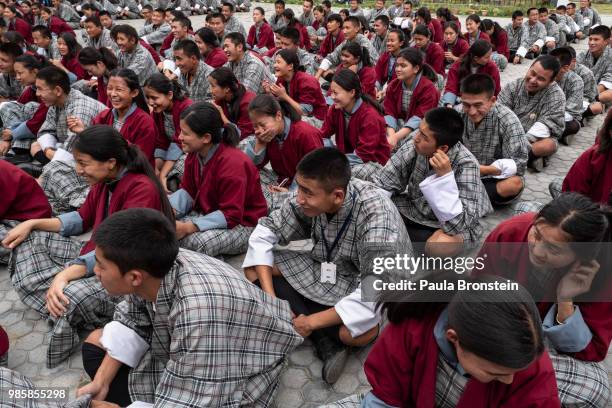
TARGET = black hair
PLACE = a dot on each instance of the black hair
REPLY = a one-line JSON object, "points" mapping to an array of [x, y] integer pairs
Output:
{"points": [[291, 58], [326, 3], [131, 79], [14, 37], [229, 5], [349, 81], [32, 61], [425, 14], [210, 16], [138, 238], [476, 84], [291, 33], [203, 118], [335, 17], [353, 20], [327, 165], [416, 58], [289, 15], [478, 49], [400, 35], [581, 219], [345, 12], [189, 48], [268, 105], [104, 13], [446, 125], [543, 10], [571, 4], [421, 29], [529, 10], [383, 19], [549, 63], [160, 83], [184, 21], [488, 24], [561, 7], [11, 49], [261, 11], [91, 56], [359, 52], [563, 55], [46, 10], [160, 10], [54, 76], [237, 39], [571, 50], [280, 2], [95, 20], [601, 30], [474, 17], [148, 7], [208, 36], [88, 6], [71, 43], [363, 23], [126, 30], [103, 142], [446, 14], [177, 14], [43, 30], [516, 14], [226, 79], [453, 26]]}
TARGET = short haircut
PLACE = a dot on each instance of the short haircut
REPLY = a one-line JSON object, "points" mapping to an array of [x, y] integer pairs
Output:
{"points": [[310, 1], [572, 51], [139, 238], [189, 48], [549, 63], [208, 36], [571, 4], [95, 20], [148, 7], [127, 30], [280, 3], [542, 10], [563, 55], [291, 33], [54, 76], [335, 17], [529, 10], [237, 39], [160, 11], [43, 30], [562, 7], [327, 165], [476, 84], [218, 15], [601, 30], [326, 3], [184, 21], [353, 20], [516, 14], [12, 49], [421, 29], [228, 5], [383, 19], [446, 125], [104, 13]]}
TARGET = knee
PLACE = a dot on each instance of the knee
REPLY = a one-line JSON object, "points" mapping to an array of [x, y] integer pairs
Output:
{"points": [[94, 338], [606, 96], [444, 245], [510, 187], [250, 274]]}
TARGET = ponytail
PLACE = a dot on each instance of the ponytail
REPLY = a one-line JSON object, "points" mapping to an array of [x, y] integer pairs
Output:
{"points": [[226, 79], [349, 81], [160, 83], [268, 105], [204, 117], [131, 80], [91, 56]]}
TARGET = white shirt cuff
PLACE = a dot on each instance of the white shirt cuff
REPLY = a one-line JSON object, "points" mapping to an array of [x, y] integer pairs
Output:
{"points": [[539, 130], [140, 404], [521, 52], [607, 84], [568, 117], [123, 344], [358, 316], [325, 64], [63, 156], [47, 141], [261, 244], [548, 39], [507, 167], [442, 195]]}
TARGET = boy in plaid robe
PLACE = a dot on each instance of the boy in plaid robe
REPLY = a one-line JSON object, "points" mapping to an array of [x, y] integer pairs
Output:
{"points": [[573, 89], [194, 332], [435, 183], [157, 31], [249, 69], [350, 223], [590, 103], [599, 60], [533, 37], [495, 136], [193, 71], [536, 99], [132, 54]]}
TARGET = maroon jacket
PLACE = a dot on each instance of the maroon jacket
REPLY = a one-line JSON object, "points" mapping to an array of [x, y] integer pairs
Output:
{"points": [[36, 121], [328, 44], [591, 175], [22, 27], [438, 31], [459, 49], [58, 26], [382, 69], [75, 67], [163, 141], [22, 197], [266, 36], [241, 118], [305, 88], [151, 50], [434, 57], [500, 44], [424, 98], [216, 58], [453, 82]]}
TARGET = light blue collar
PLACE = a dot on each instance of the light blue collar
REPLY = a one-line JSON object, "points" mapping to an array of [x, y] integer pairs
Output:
{"points": [[209, 155], [131, 110], [414, 83], [286, 129], [446, 347]]}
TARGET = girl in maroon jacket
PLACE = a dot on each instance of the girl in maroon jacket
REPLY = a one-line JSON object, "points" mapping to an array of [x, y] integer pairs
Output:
{"points": [[56, 25], [434, 54], [69, 49], [403, 115], [232, 98], [358, 123], [438, 355], [385, 66], [23, 118], [15, 23], [297, 88], [98, 63], [167, 101], [282, 140], [357, 59], [477, 60], [54, 273], [261, 36], [208, 43], [129, 113], [562, 255], [454, 45], [220, 199], [499, 40], [472, 25]]}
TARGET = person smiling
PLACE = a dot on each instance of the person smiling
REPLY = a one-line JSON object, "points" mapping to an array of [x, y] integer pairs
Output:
{"points": [[233, 99], [132, 54], [57, 279], [385, 66]]}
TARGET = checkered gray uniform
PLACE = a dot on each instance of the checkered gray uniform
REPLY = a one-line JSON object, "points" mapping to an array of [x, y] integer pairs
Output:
{"points": [[523, 207], [542, 107], [140, 61], [5, 226], [33, 266], [169, 53], [552, 30], [601, 68], [233, 25], [207, 309], [217, 242], [531, 34], [52, 52], [68, 14], [450, 384], [579, 20], [13, 113], [267, 177], [380, 44], [64, 188], [10, 88], [306, 60], [334, 56], [155, 35], [366, 171], [104, 40], [580, 383], [499, 135], [573, 89], [251, 72], [198, 90], [375, 229], [514, 36], [406, 169], [590, 85]]}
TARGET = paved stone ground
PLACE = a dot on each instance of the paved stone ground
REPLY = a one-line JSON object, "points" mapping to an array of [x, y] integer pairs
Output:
{"points": [[301, 384]]}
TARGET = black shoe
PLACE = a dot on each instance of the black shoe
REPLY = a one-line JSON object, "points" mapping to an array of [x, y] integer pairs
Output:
{"points": [[567, 140], [535, 163], [33, 169], [18, 159], [333, 355]]}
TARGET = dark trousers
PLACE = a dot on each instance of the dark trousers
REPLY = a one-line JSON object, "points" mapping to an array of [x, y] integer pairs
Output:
{"points": [[118, 392], [571, 128]]}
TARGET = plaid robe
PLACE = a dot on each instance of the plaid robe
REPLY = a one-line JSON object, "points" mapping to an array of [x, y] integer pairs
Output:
{"points": [[140, 61], [602, 69], [306, 60], [542, 107], [251, 72], [13, 113], [590, 85], [380, 44], [233, 25], [215, 339], [52, 52], [155, 35], [531, 34], [579, 20], [104, 40], [552, 30], [500, 135], [5, 227], [10, 88], [573, 89], [375, 230], [217, 242], [68, 14], [406, 169], [334, 56], [198, 90], [514, 36], [33, 265]]}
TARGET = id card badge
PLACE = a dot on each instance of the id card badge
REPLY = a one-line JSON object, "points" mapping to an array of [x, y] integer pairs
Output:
{"points": [[328, 273]]}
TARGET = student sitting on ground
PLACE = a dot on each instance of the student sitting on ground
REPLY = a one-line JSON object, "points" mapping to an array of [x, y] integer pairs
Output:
{"points": [[261, 36], [532, 39], [454, 46], [45, 42], [410, 96], [515, 33], [341, 216], [356, 58], [180, 304], [539, 103], [499, 41], [448, 354], [560, 254], [250, 70], [54, 274], [495, 136], [334, 37], [385, 66], [359, 126], [598, 58], [573, 89], [434, 54], [590, 105], [220, 198], [157, 31], [10, 88], [289, 39], [435, 183], [69, 49], [98, 63], [476, 60], [208, 44], [132, 55], [281, 139], [97, 36], [193, 71]]}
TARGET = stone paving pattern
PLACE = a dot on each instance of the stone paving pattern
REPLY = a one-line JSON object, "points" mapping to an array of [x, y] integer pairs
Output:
{"points": [[301, 383]]}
